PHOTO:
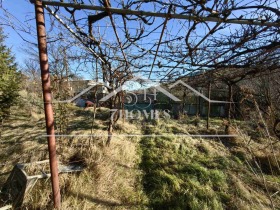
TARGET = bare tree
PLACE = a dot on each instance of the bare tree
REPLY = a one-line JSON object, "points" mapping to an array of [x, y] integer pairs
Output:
{"points": [[201, 37]]}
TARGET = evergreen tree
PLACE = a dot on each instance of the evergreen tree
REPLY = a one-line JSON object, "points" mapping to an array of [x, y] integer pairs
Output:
{"points": [[9, 80]]}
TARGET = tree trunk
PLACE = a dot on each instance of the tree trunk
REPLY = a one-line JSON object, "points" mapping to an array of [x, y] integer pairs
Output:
{"points": [[111, 122], [122, 107], [110, 133], [92, 124]]}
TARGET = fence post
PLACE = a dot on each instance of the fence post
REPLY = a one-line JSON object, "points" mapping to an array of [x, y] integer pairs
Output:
{"points": [[209, 104]]}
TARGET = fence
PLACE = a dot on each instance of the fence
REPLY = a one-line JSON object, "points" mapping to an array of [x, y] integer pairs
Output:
{"points": [[217, 110]]}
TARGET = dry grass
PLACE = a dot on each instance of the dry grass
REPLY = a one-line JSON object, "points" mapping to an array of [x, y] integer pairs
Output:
{"points": [[210, 173], [111, 178]]}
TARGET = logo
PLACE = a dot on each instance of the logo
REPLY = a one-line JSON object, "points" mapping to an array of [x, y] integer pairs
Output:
{"points": [[142, 99], [138, 102], [149, 109]]}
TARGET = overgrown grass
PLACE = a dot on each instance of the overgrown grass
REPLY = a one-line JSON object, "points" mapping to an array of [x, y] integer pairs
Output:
{"points": [[160, 172], [111, 179], [195, 174], [173, 180]]}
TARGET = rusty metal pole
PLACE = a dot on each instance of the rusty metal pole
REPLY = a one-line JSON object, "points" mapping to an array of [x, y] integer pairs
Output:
{"points": [[46, 85]]}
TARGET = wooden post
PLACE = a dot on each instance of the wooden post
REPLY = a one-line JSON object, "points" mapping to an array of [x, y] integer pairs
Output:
{"points": [[229, 107], [209, 105], [198, 104]]}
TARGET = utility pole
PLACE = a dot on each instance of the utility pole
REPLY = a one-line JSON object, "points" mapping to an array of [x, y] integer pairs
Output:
{"points": [[46, 86]]}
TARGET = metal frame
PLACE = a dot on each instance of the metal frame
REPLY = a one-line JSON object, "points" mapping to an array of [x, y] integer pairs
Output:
{"points": [[154, 14], [47, 96], [42, 45]]}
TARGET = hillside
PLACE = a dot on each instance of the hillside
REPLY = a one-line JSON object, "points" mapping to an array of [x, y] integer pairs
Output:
{"points": [[168, 171]]}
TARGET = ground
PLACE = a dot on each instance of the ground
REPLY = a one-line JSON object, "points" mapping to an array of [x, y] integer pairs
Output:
{"points": [[159, 172]]}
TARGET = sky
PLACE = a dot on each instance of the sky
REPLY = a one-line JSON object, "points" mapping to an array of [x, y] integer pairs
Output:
{"points": [[23, 12]]}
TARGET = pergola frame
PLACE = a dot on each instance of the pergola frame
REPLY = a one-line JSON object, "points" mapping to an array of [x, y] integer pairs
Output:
{"points": [[153, 14], [42, 45]]}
